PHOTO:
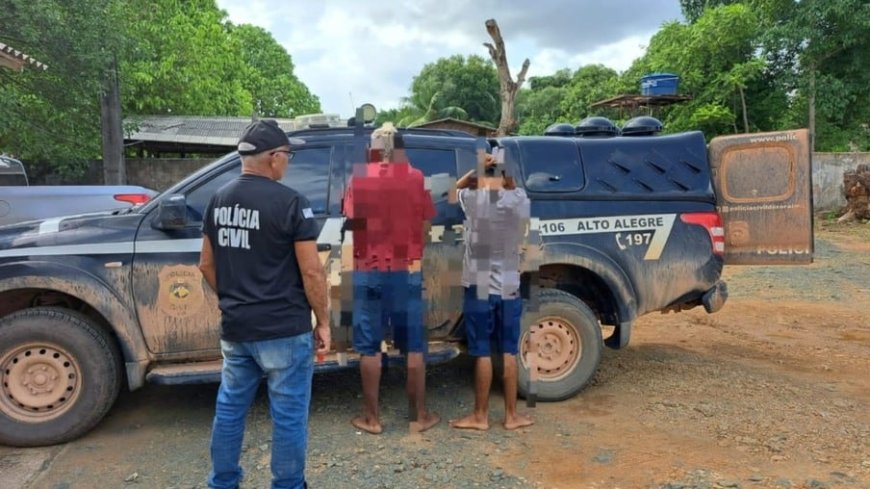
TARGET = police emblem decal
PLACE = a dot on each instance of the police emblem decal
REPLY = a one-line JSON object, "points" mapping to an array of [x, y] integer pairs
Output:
{"points": [[181, 293]]}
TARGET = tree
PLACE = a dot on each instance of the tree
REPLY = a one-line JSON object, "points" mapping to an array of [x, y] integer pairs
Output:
{"points": [[422, 109], [818, 50], [395, 115], [693, 9], [561, 78], [268, 77], [563, 97], [53, 115], [538, 108], [812, 70], [173, 58], [460, 87], [715, 59], [183, 62], [507, 86], [589, 84]]}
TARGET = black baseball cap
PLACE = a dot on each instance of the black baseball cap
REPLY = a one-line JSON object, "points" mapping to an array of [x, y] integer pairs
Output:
{"points": [[263, 135]]}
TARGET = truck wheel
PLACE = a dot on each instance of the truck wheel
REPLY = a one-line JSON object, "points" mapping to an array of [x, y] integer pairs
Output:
{"points": [[59, 375], [569, 345]]}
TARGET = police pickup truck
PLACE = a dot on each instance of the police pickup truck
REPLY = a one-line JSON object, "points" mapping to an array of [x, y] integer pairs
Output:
{"points": [[629, 224]]}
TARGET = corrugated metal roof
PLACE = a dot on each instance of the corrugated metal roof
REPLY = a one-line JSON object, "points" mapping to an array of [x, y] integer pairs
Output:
{"points": [[19, 58], [217, 131], [452, 120]]}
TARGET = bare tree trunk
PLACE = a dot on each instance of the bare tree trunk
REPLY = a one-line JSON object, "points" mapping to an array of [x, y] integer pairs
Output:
{"points": [[734, 122], [114, 169], [507, 86], [745, 115]]}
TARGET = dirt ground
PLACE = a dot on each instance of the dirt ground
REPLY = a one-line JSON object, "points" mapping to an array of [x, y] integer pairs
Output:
{"points": [[771, 392]]}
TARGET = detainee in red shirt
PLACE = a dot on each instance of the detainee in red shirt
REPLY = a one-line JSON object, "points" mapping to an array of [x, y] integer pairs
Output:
{"points": [[387, 206]]}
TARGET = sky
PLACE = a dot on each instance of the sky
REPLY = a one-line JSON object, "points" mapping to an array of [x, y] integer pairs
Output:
{"points": [[349, 52]]}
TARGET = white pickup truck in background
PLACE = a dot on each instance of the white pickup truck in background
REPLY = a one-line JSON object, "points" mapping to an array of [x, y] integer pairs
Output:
{"points": [[20, 202]]}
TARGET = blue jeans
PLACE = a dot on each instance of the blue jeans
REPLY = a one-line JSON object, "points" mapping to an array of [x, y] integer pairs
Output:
{"points": [[288, 364]]}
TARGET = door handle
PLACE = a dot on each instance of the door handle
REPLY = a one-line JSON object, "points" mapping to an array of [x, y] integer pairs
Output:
{"points": [[324, 247]]}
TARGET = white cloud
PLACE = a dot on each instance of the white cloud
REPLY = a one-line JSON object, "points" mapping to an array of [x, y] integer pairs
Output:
{"points": [[373, 50]]}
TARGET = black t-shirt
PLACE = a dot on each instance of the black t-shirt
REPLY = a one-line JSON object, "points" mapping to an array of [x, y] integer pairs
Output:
{"points": [[252, 224]]}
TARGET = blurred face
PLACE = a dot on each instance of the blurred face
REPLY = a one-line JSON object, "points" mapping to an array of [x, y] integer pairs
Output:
{"points": [[279, 159]]}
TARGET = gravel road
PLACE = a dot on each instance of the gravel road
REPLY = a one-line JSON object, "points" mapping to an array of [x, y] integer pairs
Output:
{"points": [[771, 392]]}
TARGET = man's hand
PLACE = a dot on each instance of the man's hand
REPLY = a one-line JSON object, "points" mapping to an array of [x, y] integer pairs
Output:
{"points": [[508, 182], [322, 339], [489, 161]]}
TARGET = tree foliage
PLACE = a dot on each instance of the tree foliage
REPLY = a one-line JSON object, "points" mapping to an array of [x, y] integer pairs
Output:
{"points": [[269, 77], [459, 87], [54, 114], [564, 97], [589, 84], [715, 59], [183, 62], [817, 50], [749, 65], [693, 9], [175, 58]]}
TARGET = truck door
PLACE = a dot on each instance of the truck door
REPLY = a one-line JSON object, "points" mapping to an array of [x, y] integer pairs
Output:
{"points": [[764, 194], [177, 309], [442, 258]]}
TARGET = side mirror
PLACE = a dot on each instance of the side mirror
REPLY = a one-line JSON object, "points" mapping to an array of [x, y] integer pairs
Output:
{"points": [[171, 213]]}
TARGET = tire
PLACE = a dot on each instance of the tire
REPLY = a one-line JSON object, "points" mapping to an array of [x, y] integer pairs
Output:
{"points": [[59, 375], [564, 369]]}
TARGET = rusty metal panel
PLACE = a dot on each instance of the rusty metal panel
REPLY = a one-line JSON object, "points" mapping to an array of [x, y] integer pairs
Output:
{"points": [[764, 194]]}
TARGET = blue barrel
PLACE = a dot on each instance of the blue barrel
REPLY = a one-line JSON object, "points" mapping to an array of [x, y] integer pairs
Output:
{"points": [[659, 84]]}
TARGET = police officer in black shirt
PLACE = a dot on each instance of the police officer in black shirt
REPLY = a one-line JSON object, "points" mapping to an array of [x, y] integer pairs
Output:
{"points": [[259, 253]]}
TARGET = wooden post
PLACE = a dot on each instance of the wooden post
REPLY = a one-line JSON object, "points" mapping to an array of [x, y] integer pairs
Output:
{"points": [[507, 86], [114, 169]]}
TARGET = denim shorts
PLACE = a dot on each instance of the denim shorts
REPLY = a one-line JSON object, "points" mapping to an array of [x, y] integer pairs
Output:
{"points": [[388, 306], [492, 323]]}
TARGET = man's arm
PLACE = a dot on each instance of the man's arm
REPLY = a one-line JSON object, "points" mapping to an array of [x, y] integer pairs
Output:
{"points": [[314, 282], [467, 180], [206, 263]]}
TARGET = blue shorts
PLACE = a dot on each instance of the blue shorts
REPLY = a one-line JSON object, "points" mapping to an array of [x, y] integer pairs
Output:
{"points": [[491, 321], [388, 305]]}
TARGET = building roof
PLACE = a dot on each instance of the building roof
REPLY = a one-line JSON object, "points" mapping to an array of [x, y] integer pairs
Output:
{"points": [[189, 133], [219, 131], [451, 120], [16, 60]]}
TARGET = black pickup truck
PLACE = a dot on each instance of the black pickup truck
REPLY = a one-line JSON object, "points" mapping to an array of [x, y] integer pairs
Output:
{"points": [[629, 225]]}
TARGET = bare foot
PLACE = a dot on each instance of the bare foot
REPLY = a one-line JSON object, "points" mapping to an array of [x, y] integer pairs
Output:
{"points": [[470, 422], [517, 421], [420, 426], [361, 422]]}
